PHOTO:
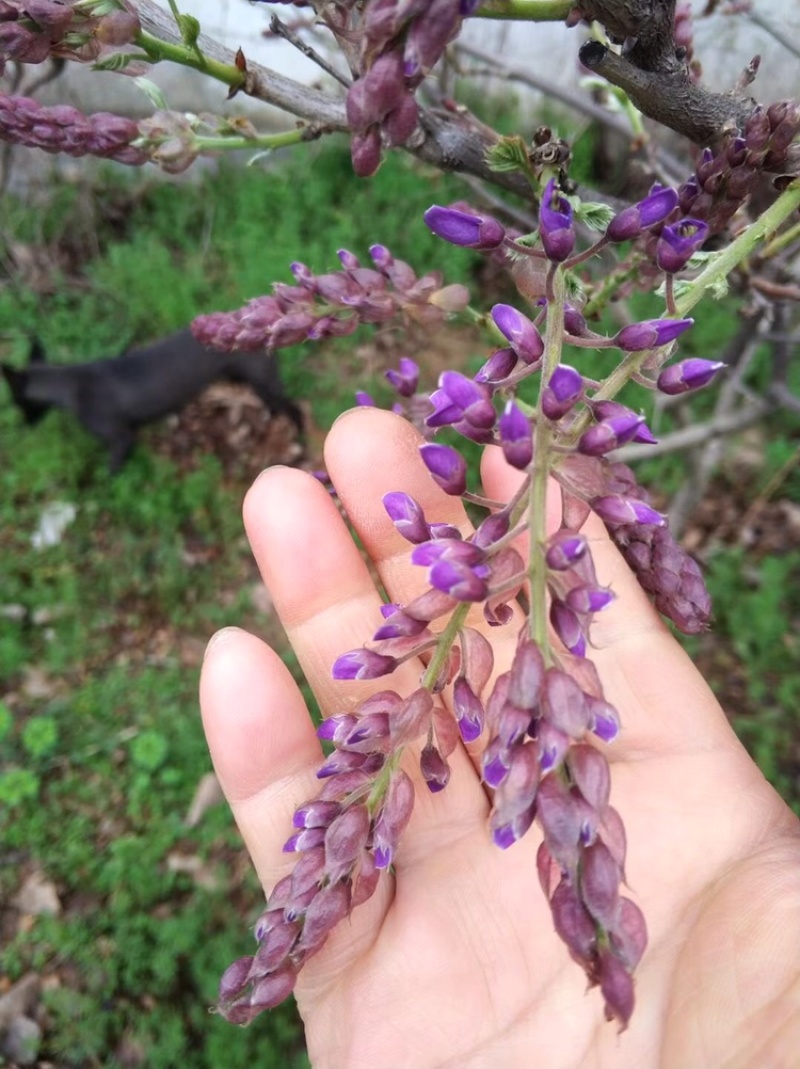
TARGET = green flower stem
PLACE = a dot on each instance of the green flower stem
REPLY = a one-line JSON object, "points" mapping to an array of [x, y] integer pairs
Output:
{"points": [[531, 10], [158, 50], [721, 266], [443, 645], [779, 243], [263, 141], [537, 501]]}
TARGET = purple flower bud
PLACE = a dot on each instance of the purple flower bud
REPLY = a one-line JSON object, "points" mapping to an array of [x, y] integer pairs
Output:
{"points": [[609, 434], [362, 664], [617, 509], [650, 333], [563, 389], [495, 762], [560, 820], [516, 437], [398, 805], [526, 677], [589, 772], [552, 745], [653, 209], [235, 979], [518, 792], [345, 838], [491, 530], [454, 549], [447, 466], [434, 768], [564, 549], [348, 260], [677, 244], [341, 762], [574, 322], [444, 412], [506, 833], [688, 375], [498, 367], [468, 709], [522, 334], [368, 733], [588, 599], [315, 814], [399, 625], [613, 409], [462, 228], [306, 839], [407, 516], [629, 934], [604, 719], [381, 257], [458, 580], [564, 704], [302, 273], [568, 627], [335, 729], [555, 224], [471, 398], [616, 987], [573, 923], [330, 905], [406, 378], [364, 399]]}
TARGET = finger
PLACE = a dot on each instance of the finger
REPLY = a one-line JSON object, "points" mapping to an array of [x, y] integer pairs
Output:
{"points": [[262, 742], [265, 753], [664, 703]]}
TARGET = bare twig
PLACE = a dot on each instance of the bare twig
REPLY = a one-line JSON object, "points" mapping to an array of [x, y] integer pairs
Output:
{"points": [[282, 30]]}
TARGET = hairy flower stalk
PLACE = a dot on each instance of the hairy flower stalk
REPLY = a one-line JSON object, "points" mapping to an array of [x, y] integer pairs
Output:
{"points": [[545, 721]]}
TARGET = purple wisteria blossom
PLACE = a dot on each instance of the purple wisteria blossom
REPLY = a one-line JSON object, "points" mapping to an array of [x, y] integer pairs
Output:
{"points": [[677, 244], [631, 221], [555, 224], [688, 375], [650, 333], [462, 228]]}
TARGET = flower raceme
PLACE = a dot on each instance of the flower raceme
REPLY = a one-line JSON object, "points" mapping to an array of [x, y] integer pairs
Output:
{"points": [[542, 723]]}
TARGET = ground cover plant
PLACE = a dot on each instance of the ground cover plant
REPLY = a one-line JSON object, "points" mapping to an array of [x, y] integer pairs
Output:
{"points": [[350, 833]]}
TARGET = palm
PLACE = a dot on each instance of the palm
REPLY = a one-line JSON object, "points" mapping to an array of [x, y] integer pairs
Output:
{"points": [[455, 962]]}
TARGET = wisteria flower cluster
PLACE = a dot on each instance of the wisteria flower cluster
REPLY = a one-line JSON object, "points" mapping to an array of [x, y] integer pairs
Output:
{"points": [[545, 721]]}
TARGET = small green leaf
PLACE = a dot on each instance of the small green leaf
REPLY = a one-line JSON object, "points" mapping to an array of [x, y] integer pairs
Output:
{"points": [[594, 214], [509, 154], [118, 61], [190, 29], [152, 91]]}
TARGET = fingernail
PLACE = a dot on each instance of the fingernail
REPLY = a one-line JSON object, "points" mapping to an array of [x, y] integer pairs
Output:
{"points": [[221, 637]]}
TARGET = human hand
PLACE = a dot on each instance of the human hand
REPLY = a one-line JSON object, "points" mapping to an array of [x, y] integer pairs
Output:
{"points": [[454, 960]]}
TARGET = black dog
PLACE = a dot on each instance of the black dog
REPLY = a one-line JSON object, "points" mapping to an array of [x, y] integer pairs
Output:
{"points": [[113, 397]]}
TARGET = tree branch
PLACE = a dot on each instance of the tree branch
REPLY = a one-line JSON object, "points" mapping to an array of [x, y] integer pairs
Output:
{"points": [[669, 97]]}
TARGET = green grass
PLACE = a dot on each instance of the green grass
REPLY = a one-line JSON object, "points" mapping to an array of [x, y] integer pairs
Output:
{"points": [[100, 736]]}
